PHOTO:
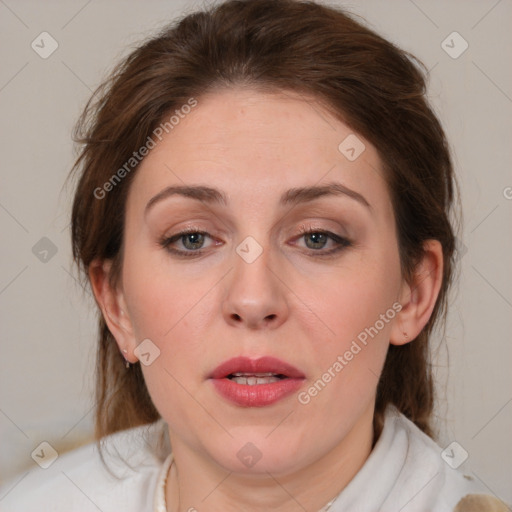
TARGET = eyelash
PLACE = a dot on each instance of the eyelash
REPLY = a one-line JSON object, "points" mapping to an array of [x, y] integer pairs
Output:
{"points": [[341, 242]]}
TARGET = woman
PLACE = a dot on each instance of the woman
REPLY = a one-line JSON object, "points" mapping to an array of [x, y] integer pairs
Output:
{"points": [[262, 212]]}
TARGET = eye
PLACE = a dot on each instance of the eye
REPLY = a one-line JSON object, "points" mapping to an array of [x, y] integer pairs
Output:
{"points": [[318, 239], [191, 239]]}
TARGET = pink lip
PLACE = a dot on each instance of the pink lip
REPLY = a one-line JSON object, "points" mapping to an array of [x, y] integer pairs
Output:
{"points": [[260, 365], [261, 394]]}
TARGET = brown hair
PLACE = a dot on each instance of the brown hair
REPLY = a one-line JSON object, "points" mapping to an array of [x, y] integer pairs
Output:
{"points": [[276, 45]]}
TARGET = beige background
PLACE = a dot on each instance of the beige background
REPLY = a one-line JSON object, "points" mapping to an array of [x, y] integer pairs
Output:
{"points": [[47, 322]]}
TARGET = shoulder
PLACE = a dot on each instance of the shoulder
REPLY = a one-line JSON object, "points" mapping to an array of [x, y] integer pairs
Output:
{"points": [[431, 478], [81, 481]]}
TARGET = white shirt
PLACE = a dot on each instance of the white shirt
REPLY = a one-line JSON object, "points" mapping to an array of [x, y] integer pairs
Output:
{"points": [[404, 472]]}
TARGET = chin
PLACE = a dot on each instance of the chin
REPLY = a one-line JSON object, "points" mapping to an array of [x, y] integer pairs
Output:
{"points": [[254, 454]]}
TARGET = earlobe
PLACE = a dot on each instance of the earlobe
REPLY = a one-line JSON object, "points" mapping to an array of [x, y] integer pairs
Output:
{"points": [[113, 308], [418, 296]]}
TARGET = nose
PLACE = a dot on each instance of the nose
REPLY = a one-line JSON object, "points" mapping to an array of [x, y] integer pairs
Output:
{"points": [[255, 295]]}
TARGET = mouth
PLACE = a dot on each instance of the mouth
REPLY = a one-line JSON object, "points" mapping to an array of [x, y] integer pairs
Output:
{"points": [[261, 368], [255, 382]]}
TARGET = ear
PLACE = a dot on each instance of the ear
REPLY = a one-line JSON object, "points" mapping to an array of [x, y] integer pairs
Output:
{"points": [[418, 297], [113, 308]]}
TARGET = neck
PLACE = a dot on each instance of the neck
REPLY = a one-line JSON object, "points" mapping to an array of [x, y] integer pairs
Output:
{"points": [[196, 483]]}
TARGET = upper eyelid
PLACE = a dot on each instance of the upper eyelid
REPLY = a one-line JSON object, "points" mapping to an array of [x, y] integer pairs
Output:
{"points": [[307, 225], [303, 230]]}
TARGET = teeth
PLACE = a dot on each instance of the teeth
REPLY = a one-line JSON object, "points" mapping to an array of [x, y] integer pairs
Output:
{"points": [[254, 380], [244, 374]]}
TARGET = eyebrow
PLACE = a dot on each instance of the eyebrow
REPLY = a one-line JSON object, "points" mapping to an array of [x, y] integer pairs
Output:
{"points": [[292, 196]]}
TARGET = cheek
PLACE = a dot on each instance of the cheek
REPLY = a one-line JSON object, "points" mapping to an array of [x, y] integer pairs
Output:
{"points": [[354, 298], [175, 311], [359, 321], [354, 314], [160, 296], [172, 312]]}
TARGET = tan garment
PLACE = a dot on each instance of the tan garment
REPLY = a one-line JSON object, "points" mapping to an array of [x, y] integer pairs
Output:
{"points": [[481, 503]]}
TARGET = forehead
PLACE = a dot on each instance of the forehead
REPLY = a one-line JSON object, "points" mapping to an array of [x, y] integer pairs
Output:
{"points": [[254, 145]]}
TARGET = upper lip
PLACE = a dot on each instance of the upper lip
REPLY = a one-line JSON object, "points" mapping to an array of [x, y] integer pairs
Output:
{"points": [[251, 366]]}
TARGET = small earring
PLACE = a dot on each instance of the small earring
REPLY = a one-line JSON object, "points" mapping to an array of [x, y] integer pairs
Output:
{"points": [[127, 363], [405, 335]]}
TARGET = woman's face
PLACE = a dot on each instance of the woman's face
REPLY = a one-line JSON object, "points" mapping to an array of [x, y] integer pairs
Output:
{"points": [[247, 282]]}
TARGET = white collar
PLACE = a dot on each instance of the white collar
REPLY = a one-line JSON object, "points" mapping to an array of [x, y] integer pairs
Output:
{"points": [[159, 501]]}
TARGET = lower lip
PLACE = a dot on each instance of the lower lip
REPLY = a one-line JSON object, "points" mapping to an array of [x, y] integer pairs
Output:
{"points": [[258, 395]]}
